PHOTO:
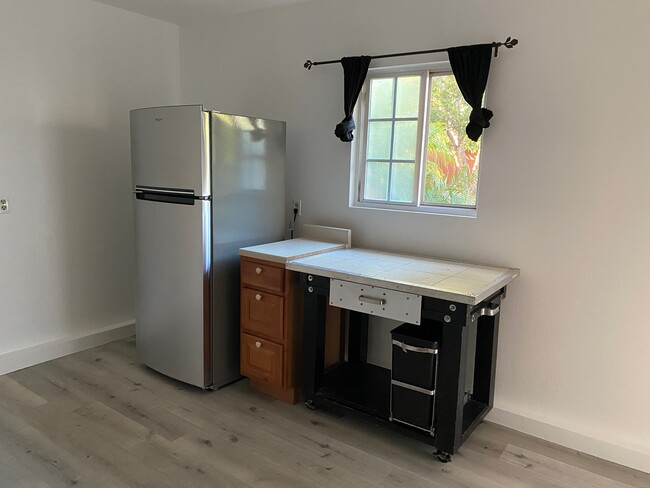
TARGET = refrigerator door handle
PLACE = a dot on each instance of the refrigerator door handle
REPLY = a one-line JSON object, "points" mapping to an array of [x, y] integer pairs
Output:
{"points": [[139, 189], [143, 191], [177, 196]]}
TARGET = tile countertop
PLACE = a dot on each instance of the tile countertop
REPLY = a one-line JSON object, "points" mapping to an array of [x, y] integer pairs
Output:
{"points": [[447, 280]]}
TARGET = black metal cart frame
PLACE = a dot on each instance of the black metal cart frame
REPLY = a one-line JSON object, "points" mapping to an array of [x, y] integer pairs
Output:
{"points": [[466, 365]]}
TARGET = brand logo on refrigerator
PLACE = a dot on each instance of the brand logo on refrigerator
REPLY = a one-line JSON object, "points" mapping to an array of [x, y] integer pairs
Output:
{"points": [[158, 119]]}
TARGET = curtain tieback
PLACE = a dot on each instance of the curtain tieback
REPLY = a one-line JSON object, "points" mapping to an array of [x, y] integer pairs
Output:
{"points": [[344, 129], [479, 119]]}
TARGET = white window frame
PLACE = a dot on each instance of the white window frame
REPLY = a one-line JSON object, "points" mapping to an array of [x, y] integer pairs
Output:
{"points": [[359, 145]]}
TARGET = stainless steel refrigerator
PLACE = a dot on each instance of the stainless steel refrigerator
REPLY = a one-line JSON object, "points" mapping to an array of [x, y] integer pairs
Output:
{"points": [[205, 184]]}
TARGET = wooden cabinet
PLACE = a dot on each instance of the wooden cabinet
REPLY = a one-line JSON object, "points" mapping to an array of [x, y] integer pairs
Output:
{"points": [[261, 359], [262, 313], [263, 275], [270, 328]]}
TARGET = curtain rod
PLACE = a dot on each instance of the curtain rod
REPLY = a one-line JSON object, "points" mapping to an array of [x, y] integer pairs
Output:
{"points": [[508, 43]]}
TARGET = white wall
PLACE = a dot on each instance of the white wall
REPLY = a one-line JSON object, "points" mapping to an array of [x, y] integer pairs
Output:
{"points": [[563, 190], [70, 72]]}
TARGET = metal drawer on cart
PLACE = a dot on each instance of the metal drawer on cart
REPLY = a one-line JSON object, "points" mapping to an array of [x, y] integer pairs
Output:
{"points": [[373, 300]]}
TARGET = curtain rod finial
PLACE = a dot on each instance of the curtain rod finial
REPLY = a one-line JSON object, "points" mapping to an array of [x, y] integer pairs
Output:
{"points": [[308, 64], [509, 43]]}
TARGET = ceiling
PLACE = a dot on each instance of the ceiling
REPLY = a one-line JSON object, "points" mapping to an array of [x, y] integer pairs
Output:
{"points": [[183, 11]]}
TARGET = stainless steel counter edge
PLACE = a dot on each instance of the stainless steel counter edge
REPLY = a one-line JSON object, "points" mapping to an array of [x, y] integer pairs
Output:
{"points": [[393, 285]]}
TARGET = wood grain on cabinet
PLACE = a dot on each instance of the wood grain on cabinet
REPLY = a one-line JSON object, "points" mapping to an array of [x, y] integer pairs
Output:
{"points": [[262, 359], [262, 313], [271, 315], [262, 275], [334, 337]]}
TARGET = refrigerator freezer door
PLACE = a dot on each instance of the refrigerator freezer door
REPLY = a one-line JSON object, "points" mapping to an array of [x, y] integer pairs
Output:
{"points": [[248, 173], [170, 148]]}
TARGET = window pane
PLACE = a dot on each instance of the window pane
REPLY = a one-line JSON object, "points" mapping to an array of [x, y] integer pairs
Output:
{"points": [[452, 159], [408, 96], [401, 182], [381, 98], [376, 181], [405, 139], [379, 140]]}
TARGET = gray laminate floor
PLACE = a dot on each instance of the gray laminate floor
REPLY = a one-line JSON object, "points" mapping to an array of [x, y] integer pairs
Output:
{"points": [[99, 419]]}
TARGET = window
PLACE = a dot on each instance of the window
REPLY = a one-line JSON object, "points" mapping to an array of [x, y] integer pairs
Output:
{"points": [[412, 150]]}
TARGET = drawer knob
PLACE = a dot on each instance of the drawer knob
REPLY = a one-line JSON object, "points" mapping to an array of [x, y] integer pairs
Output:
{"points": [[258, 297], [258, 344], [258, 270]]}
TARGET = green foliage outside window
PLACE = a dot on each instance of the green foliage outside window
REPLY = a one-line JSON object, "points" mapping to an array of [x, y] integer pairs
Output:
{"points": [[451, 175]]}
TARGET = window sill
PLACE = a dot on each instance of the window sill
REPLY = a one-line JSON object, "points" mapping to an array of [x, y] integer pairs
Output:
{"points": [[470, 213]]}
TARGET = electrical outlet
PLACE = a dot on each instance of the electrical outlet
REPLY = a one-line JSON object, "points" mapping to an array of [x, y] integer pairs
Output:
{"points": [[297, 205], [4, 205]]}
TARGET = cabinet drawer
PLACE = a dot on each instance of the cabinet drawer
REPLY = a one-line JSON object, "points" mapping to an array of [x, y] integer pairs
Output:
{"points": [[262, 313], [262, 276], [261, 359]]}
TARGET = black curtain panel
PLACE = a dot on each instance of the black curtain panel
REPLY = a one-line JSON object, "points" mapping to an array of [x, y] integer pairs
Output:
{"points": [[471, 66], [354, 71]]}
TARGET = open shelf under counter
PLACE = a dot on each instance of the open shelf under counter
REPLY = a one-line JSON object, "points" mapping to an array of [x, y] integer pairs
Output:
{"points": [[363, 386]]}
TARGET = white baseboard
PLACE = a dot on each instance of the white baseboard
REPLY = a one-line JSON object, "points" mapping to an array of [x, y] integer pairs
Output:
{"points": [[627, 456], [46, 351]]}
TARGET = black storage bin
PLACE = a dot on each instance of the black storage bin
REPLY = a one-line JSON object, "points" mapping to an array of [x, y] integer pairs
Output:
{"points": [[411, 407], [413, 379], [415, 368]]}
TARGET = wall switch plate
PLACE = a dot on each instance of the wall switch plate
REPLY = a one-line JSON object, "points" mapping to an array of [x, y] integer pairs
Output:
{"points": [[4, 205], [297, 205]]}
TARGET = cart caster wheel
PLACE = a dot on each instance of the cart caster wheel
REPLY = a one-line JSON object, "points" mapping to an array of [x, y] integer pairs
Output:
{"points": [[310, 405], [443, 457]]}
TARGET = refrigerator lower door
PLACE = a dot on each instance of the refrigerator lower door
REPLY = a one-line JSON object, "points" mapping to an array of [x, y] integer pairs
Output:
{"points": [[173, 256]]}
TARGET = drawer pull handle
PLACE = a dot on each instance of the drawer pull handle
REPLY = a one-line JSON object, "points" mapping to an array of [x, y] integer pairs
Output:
{"points": [[374, 301], [258, 344], [258, 297], [258, 270]]}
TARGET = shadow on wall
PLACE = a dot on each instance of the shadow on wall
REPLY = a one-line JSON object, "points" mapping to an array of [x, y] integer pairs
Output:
{"points": [[90, 241]]}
